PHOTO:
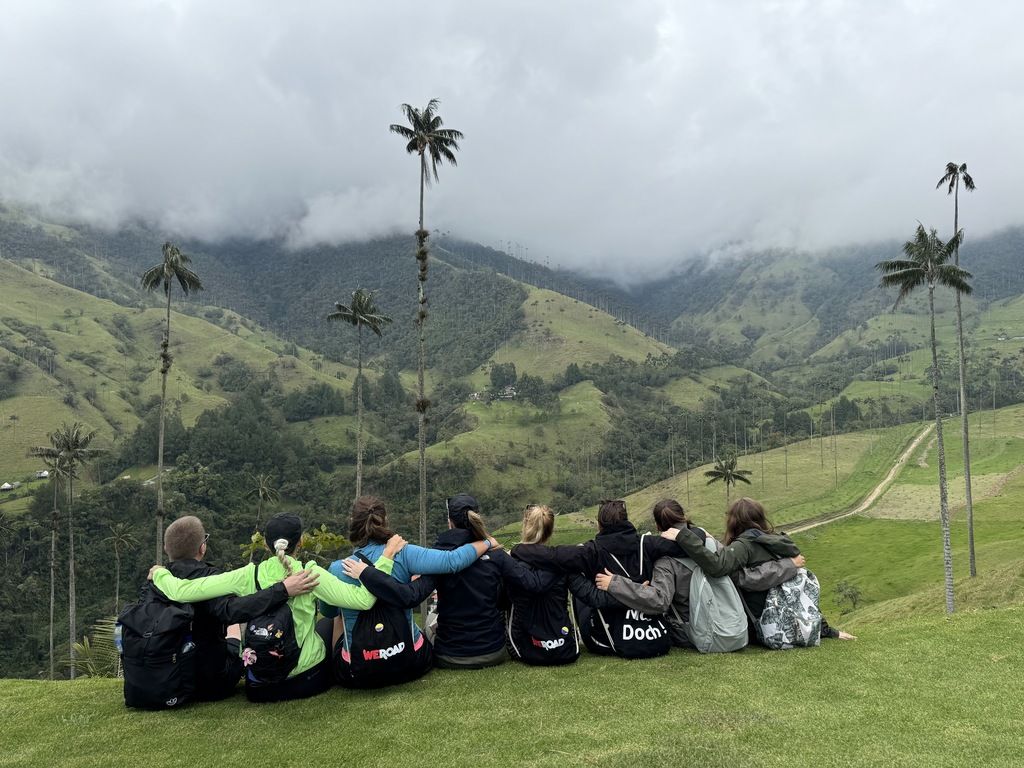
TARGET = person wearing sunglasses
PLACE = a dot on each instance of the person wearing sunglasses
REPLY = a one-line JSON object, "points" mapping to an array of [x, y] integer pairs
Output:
{"points": [[216, 628]]}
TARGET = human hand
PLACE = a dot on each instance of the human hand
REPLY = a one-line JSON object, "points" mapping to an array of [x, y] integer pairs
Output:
{"points": [[153, 570], [300, 583], [670, 534], [799, 561], [604, 580], [846, 636], [394, 546], [495, 544], [353, 568]]}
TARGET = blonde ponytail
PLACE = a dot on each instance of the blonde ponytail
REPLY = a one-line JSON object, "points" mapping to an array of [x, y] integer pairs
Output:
{"points": [[281, 551], [476, 526]]}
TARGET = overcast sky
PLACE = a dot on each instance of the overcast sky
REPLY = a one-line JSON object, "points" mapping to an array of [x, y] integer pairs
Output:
{"points": [[597, 133]]}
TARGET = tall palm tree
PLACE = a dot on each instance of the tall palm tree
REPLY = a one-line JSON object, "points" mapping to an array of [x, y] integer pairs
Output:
{"points": [[55, 464], [262, 489], [954, 175], [927, 263], [362, 313], [173, 267], [425, 137], [725, 472], [69, 447], [121, 539]]}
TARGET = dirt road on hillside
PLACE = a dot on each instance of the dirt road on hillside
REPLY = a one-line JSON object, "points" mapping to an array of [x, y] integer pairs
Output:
{"points": [[872, 497]]}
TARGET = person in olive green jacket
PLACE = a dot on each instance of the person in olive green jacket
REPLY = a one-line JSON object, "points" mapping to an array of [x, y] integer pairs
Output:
{"points": [[750, 540], [311, 674]]}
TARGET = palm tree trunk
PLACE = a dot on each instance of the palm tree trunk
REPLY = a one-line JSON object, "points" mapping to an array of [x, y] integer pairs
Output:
{"points": [[165, 366], [964, 426], [947, 550], [72, 607], [259, 516], [359, 416], [421, 316], [53, 567], [117, 580]]}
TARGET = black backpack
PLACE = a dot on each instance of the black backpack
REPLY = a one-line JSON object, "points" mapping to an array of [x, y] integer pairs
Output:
{"points": [[630, 633], [381, 650], [271, 649], [541, 637], [157, 651]]}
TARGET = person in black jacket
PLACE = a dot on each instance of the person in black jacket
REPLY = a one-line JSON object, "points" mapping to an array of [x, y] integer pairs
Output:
{"points": [[470, 623], [540, 626], [621, 550], [215, 628]]}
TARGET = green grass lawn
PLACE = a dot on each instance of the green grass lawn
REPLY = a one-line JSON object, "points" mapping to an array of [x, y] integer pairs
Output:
{"points": [[915, 692]]}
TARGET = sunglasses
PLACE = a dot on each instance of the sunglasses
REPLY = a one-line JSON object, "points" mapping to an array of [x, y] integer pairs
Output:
{"points": [[206, 538]]}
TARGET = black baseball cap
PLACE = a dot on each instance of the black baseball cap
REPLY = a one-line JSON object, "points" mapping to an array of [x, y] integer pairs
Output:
{"points": [[284, 525]]}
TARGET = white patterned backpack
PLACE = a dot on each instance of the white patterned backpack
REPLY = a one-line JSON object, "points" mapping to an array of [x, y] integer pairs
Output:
{"points": [[791, 617]]}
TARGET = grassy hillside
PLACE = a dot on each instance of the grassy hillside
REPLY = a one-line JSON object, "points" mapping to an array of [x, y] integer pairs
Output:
{"points": [[862, 459], [514, 444], [828, 706], [689, 391], [560, 331], [997, 456], [89, 359]]}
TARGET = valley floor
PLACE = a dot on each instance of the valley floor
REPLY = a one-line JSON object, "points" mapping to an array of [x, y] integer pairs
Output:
{"points": [[912, 692]]}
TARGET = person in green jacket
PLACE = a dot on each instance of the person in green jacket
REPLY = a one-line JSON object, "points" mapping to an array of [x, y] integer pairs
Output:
{"points": [[311, 673], [750, 540]]}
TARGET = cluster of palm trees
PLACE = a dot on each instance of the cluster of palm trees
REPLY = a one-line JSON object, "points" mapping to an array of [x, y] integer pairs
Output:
{"points": [[69, 449], [930, 262]]}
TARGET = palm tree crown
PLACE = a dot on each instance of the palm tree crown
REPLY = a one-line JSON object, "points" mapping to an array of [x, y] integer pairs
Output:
{"points": [[953, 174], [725, 471], [427, 137], [926, 263], [174, 266], [361, 313]]}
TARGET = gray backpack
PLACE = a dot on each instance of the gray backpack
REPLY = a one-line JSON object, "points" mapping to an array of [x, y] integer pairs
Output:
{"points": [[718, 621]]}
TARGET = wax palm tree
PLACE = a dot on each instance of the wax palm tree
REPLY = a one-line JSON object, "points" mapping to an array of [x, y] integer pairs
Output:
{"points": [[121, 539], [173, 267], [725, 472], [927, 264], [70, 446], [425, 137], [954, 175], [361, 313], [262, 489], [54, 463]]}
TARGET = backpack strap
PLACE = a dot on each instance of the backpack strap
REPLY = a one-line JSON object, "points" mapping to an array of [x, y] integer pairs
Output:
{"points": [[621, 566], [256, 576], [642, 536]]}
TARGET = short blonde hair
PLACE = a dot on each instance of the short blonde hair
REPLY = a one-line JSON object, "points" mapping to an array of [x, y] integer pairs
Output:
{"points": [[538, 524], [184, 537]]}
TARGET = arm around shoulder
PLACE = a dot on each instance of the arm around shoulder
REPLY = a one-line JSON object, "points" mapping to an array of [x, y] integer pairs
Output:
{"points": [[240, 581]]}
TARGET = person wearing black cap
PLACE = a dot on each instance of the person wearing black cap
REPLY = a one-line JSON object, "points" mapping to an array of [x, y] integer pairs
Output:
{"points": [[310, 674], [470, 625]]}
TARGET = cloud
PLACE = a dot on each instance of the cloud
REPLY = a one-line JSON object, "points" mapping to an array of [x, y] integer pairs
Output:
{"points": [[619, 138]]}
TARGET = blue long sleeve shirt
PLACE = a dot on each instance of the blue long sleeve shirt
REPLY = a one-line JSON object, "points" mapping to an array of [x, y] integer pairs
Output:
{"points": [[411, 560]]}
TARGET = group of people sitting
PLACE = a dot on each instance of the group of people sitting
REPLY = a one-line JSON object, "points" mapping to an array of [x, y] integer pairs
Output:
{"points": [[621, 593]]}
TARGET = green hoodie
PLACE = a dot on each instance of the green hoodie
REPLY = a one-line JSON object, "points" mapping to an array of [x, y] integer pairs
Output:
{"points": [[242, 582], [744, 551]]}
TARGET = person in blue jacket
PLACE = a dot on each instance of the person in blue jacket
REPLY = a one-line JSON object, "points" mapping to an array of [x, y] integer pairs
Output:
{"points": [[368, 532], [470, 617]]}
